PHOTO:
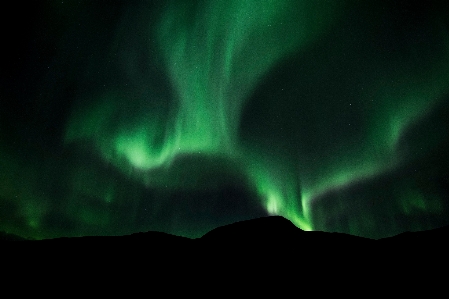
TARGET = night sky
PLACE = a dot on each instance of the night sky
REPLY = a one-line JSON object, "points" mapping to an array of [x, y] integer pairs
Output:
{"points": [[181, 116]]}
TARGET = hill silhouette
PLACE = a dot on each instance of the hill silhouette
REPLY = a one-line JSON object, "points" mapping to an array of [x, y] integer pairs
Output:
{"points": [[262, 230], [263, 241]]}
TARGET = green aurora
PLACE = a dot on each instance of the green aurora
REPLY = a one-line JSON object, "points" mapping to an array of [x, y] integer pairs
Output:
{"points": [[289, 100]]}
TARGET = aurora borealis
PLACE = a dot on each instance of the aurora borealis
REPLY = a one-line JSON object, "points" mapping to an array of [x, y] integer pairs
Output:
{"points": [[180, 116]]}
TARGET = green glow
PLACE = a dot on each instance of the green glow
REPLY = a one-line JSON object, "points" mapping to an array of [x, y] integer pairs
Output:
{"points": [[278, 187], [415, 202], [214, 58], [250, 37], [215, 54], [408, 101], [400, 100], [163, 113], [135, 148]]}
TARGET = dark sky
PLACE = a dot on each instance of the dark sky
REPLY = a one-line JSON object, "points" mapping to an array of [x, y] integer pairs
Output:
{"points": [[181, 116]]}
